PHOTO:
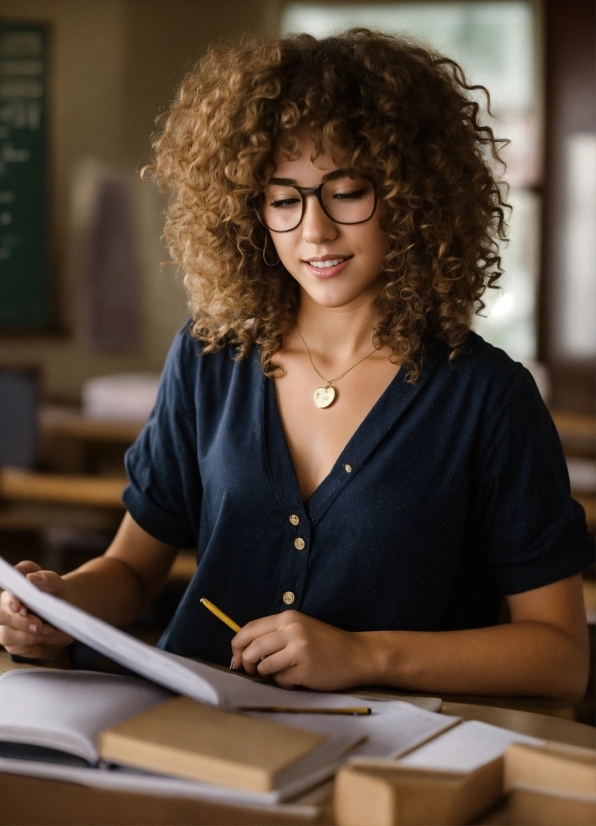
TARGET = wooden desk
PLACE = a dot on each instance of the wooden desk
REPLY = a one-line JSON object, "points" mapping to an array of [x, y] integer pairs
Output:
{"points": [[28, 486], [26, 801], [70, 422], [31, 501]]}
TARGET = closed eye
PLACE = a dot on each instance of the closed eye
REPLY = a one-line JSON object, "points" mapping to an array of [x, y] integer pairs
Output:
{"points": [[284, 203], [351, 196]]}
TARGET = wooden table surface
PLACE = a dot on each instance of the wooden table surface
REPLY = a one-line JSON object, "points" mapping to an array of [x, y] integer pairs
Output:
{"points": [[25, 801]]}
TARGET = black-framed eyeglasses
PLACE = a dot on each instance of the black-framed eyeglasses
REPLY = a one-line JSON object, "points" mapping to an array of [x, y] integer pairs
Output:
{"points": [[343, 199]]}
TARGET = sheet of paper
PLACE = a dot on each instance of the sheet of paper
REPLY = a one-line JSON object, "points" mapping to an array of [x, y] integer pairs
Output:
{"points": [[466, 747], [391, 730], [145, 783], [66, 710], [143, 659], [179, 674]]}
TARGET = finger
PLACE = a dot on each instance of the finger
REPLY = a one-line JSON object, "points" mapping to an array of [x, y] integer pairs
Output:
{"points": [[263, 647], [288, 678], [35, 652], [47, 581], [250, 632], [22, 622], [9, 603], [32, 625], [14, 637], [253, 629], [27, 567]]}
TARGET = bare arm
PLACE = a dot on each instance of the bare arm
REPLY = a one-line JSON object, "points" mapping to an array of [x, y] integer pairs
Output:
{"points": [[542, 652], [115, 587]]}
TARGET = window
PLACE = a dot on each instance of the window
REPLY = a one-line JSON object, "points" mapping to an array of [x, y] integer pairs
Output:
{"points": [[495, 43]]}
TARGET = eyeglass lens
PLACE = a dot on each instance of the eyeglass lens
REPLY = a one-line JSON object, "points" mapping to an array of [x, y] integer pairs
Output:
{"points": [[345, 200]]}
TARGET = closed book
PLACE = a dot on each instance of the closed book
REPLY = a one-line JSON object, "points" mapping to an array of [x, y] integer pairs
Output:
{"points": [[383, 793], [198, 742], [550, 785], [538, 807], [553, 767]]}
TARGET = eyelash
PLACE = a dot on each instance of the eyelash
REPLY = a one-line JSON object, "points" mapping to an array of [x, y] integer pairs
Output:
{"points": [[284, 203], [288, 203]]}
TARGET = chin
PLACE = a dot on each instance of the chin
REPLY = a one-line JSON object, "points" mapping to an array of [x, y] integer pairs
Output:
{"points": [[333, 296]]}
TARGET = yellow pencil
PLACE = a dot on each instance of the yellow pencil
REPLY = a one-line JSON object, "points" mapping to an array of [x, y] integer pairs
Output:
{"points": [[358, 711], [220, 615]]}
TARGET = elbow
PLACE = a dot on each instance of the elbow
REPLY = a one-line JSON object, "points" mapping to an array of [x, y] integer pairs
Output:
{"points": [[571, 677], [576, 685]]}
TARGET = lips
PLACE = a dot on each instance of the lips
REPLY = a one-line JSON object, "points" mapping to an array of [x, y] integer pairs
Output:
{"points": [[328, 265], [331, 262]]}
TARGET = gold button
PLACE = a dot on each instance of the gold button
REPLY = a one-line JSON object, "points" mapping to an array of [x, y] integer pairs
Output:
{"points": [[348, 468], [288, 597], [295, 520], [299, 544]]}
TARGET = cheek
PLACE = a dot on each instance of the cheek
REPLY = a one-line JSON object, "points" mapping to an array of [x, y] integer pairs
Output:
{"points": [[283, 245]]}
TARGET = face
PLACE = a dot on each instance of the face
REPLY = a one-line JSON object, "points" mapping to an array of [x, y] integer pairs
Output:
{"points": [[356, 251]]}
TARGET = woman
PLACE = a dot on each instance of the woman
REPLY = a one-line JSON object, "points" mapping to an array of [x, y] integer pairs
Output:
{"points": [[364, 479]]}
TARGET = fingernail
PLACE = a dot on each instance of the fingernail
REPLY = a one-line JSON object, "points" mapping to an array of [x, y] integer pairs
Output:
{"points": [[13, 607], [32, 627], [232, 665], [23, 612]]}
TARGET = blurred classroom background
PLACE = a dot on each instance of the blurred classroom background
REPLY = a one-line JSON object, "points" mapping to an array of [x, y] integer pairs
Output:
{"points": [[88, 308]]}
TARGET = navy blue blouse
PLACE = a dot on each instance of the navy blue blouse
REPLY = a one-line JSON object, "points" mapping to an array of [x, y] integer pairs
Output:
{"points": [[452, 492]]}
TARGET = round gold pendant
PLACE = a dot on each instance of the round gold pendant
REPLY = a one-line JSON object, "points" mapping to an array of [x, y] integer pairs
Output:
{"points": [[324, 396]]}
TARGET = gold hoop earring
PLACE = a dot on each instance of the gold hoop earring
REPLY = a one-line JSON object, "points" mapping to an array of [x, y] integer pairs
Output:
{"points": [[268, 263]]}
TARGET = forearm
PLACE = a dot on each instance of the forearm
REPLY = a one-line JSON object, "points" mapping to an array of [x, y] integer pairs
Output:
{"points": [[119, 585], [107, 588], [520, 658]]}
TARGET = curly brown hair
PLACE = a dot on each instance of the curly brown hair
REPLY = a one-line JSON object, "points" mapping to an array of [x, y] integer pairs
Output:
{"points": [[405, 118]]}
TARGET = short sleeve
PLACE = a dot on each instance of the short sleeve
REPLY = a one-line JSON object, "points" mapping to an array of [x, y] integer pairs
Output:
{"points": [[164, 491], [533, 532]]}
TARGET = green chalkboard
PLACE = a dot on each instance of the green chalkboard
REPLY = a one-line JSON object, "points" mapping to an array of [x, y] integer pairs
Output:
{"points": [[24, 247]]}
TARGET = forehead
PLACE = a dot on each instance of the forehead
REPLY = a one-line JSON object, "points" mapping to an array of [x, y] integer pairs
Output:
{"points": [[305, 168]]}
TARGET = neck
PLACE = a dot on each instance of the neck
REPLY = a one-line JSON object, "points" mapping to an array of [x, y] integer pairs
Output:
{"points": [[338, 334]]}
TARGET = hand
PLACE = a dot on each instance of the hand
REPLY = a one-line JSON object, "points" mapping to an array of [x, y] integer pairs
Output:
{"points": [[24, 634], [295, 649]]}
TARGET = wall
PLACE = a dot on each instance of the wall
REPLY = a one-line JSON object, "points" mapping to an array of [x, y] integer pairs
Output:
{"points": [[116, 64], [570, 49]]}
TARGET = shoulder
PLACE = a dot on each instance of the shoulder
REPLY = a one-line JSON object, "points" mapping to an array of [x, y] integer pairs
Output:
{"points": [[481, 383], [208, 381], [481, 360], [187, 359], [481, 368]]}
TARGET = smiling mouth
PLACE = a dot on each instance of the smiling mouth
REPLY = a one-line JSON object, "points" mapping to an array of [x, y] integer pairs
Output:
{"points": [[331, 262]]}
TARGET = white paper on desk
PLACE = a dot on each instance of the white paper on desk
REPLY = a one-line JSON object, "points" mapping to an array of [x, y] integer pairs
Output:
{"points": [[183, 676], [145, 783], [466, 747], [66, 710]]}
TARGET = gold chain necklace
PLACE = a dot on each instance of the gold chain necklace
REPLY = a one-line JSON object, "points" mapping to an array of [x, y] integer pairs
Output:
{"points": [[325, 396]]}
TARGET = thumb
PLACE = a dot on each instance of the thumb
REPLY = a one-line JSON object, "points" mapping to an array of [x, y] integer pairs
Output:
{"points": [[27, 567], [47, 581]]}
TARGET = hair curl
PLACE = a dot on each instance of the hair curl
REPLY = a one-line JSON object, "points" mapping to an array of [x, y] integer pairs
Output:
{"points": [[404, 117]]}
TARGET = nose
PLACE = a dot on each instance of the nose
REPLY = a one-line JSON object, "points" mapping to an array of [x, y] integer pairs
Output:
{"points": [[316, 226]]}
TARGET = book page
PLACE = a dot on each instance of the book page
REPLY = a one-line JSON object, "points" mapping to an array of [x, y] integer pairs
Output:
{"points": [[66, 710], [130, 780], [466, 747], [159, 666], [181, 675]]}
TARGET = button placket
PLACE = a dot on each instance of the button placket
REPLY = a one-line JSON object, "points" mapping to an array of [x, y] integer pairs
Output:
{"points": [[291, 583]]}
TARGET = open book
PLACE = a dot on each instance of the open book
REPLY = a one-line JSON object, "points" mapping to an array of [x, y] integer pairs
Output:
{"points": [[394, 727]]}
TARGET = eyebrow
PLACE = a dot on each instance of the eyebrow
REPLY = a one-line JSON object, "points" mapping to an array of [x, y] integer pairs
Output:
{"points": [[330, 176]]}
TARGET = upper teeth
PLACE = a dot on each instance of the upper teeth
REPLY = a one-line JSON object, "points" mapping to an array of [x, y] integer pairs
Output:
{"points": [[333, 263]]}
